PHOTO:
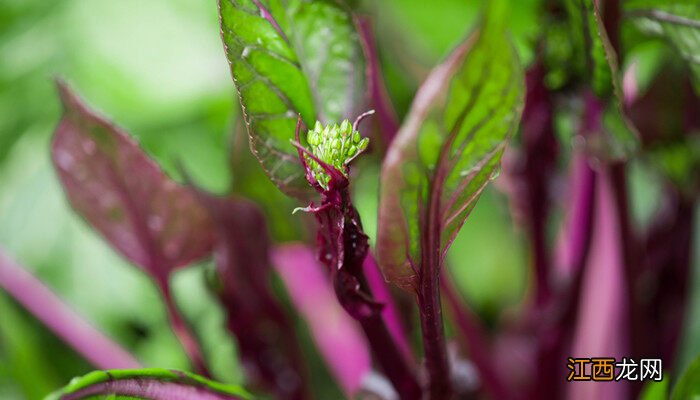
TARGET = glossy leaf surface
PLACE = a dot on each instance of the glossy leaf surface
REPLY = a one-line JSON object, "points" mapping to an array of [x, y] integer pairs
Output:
{"points": [[449, 148], [290, 58]]}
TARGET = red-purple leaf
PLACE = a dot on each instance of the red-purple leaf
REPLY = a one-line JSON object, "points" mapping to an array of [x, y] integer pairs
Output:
{"points": [[267, 345], [146, 216]]}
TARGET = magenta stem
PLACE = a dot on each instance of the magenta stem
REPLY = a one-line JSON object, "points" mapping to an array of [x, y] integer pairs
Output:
{"points": [[98, 349], [390, 312], [478, 344], [183, 332]]}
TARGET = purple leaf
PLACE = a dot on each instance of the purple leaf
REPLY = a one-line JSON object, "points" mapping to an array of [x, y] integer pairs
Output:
{"points": [[267, 344], [48, 308], [337, 336], [146, 216]]}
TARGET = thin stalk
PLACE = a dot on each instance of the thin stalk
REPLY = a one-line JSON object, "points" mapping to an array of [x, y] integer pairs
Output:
{"points": [[555, 332], [390, 357], [435, 350], [183, 332], [386, 351], [478, 344], [390, 312], [98, 349]]}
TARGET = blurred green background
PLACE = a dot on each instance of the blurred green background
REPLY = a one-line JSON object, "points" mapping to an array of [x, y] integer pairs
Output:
{"points": [[157, 69]]}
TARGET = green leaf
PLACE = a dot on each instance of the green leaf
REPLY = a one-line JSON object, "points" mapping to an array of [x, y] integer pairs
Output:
{"points": [[449, 148], [604, 65], [151, 383], [620, 138], [654, 390], [577, 49], [679, 161], [688, 385], [676, 21], [288, 58]]}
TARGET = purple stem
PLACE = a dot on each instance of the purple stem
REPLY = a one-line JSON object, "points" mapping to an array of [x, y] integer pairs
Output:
{"points": [[40, 301], [573, 248], [572, 254], [602, 321], [386, 116], [434, 347], [538, 161], [390, 312], [183, 332], [478, 344]]}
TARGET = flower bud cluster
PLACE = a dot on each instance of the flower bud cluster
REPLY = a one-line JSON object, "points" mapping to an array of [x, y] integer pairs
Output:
{"points": [[336, 146]]}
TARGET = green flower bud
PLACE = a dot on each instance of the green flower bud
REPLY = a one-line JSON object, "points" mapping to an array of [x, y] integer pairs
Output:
{"points": [[345, 127], [363, 144], [335, 145], [356, 137]]}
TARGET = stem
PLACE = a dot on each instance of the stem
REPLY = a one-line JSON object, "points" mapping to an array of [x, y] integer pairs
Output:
{"points": [[636, 316], [540, 151], [390, 312], [436, 360], [555, 332], [40, 301], [341, 236], [385, 349], [478, 344], [390, 358], [434, 347], [182, 331]]}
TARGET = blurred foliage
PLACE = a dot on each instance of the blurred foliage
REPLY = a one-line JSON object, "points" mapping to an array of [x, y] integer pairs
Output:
{"points": [[158, 69]]}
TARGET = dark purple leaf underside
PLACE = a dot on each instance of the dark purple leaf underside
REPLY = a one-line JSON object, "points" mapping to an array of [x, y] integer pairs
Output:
{"points": [[267, 344], [110, 181]]}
